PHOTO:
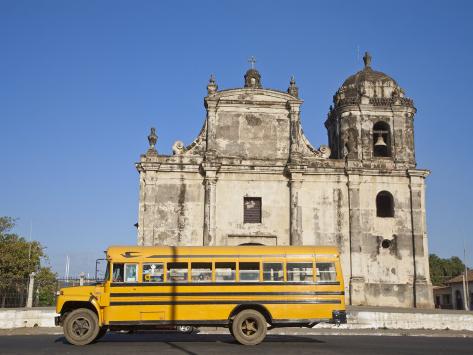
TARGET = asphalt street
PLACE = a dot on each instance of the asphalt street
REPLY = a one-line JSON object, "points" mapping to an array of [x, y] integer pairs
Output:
{"points": [[174, 343]]}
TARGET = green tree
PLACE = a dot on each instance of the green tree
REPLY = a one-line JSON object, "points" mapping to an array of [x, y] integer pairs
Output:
{"points": [[45, 287], [443, 269], [18, 259]]}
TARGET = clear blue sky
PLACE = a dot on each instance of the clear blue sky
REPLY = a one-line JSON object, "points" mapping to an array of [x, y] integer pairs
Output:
{"points": [[81, 83]]}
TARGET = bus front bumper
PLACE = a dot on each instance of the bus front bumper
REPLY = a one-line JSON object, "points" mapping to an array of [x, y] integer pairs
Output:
{"points": [[339, 317]]}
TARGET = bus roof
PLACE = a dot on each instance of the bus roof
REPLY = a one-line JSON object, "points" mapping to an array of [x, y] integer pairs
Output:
{"points": [[129, 253]]}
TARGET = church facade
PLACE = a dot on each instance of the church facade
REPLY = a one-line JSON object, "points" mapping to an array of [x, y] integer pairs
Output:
{"points": [[252, 177]]}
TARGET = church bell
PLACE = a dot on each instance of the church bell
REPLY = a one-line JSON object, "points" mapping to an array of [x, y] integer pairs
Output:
{"points": [[380, 141]]}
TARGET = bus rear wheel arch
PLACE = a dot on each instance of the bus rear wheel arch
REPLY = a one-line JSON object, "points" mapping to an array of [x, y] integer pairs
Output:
{"points": [[81, 326], [249, 327]]}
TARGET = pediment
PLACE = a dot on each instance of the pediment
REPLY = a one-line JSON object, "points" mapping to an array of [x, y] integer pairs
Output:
{"points": [[246, 96]]}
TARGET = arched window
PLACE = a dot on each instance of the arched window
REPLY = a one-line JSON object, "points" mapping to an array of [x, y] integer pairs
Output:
{"points": [[381, 139], [384, 204]]}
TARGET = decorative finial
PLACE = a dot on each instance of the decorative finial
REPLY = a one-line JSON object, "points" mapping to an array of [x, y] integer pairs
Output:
{"points": [[367, 60], [293, 89], [212, 86], [252, 61], [152, 139]]}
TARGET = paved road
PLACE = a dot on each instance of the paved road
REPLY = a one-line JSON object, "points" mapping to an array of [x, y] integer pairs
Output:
{"points": [[173, 343]]}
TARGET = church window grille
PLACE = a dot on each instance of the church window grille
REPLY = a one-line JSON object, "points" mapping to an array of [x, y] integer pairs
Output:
{"points": [[384, 204], [381, 140], [252, 210]]}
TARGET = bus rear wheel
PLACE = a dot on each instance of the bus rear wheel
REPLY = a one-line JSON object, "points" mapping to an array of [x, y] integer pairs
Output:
{"points": [[81, 327], [249, 327]]}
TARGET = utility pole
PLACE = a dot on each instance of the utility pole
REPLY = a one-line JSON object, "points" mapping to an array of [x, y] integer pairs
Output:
{"points": [[466, 293]]}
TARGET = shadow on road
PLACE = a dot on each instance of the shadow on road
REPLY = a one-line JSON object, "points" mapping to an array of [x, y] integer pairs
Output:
{"points": [[172, 338]]}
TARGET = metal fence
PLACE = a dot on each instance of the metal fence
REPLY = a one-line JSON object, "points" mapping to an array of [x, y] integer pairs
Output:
{"points": [[15, 294]]}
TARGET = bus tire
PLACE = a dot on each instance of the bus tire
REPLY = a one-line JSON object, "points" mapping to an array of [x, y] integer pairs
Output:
{"points": [[249, 327], [81, 327]]}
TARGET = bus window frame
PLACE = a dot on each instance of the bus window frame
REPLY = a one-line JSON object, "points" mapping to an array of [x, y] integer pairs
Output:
{"points": [[249, 260], [338, 269], [202, 262], [152, 262], [308, 260], [112, 274], [273, 261], [137, 272], [225, 260], [179, 260]]}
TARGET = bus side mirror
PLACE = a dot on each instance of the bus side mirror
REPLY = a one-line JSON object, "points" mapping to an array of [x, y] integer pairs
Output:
{"points": [[100, 269]]}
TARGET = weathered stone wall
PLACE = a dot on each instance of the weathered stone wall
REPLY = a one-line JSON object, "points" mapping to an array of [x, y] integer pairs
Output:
{"points": [[274, 193], [324, 203], [171, 211]]}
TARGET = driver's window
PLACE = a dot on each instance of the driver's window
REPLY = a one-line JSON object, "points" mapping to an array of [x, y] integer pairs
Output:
{"points": [[118, 272]]}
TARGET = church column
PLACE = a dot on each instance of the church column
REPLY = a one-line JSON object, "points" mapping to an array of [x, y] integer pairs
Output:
{"points": [[294, 152], [211, 106], [357, 280], [422, 291], [295, 184], [210, 205], [141, 207]]}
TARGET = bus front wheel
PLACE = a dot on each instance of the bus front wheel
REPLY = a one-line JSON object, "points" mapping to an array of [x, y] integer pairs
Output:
{"points": [[249, 327], [81, 327]]}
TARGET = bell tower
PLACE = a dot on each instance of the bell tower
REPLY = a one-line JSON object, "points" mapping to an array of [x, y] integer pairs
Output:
{"points": [[371, 121]]}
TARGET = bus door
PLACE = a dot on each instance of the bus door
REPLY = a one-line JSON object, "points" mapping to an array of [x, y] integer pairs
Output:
{"points": [[124, 297]]}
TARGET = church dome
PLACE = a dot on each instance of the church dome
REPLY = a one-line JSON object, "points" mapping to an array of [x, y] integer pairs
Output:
{"points": [[368, 74], [369, 83]]}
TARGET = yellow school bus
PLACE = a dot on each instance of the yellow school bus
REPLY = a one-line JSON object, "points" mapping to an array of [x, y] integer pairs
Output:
{"points": [[244, 288]]}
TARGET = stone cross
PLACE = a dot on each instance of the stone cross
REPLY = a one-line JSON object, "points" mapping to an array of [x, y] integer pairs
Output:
{"points": [[252, 61]]}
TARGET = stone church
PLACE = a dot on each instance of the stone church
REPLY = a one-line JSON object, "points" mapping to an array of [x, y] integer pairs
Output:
{"points": [[252, 177]]}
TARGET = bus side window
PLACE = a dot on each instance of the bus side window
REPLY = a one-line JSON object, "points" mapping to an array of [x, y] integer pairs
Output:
{"points": [[131, 272], [249, 271], [118, 272], [177, 272], [326, 272], [273, 272], [201, 272], [225, 271], [153, 272], [300, 272]]}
